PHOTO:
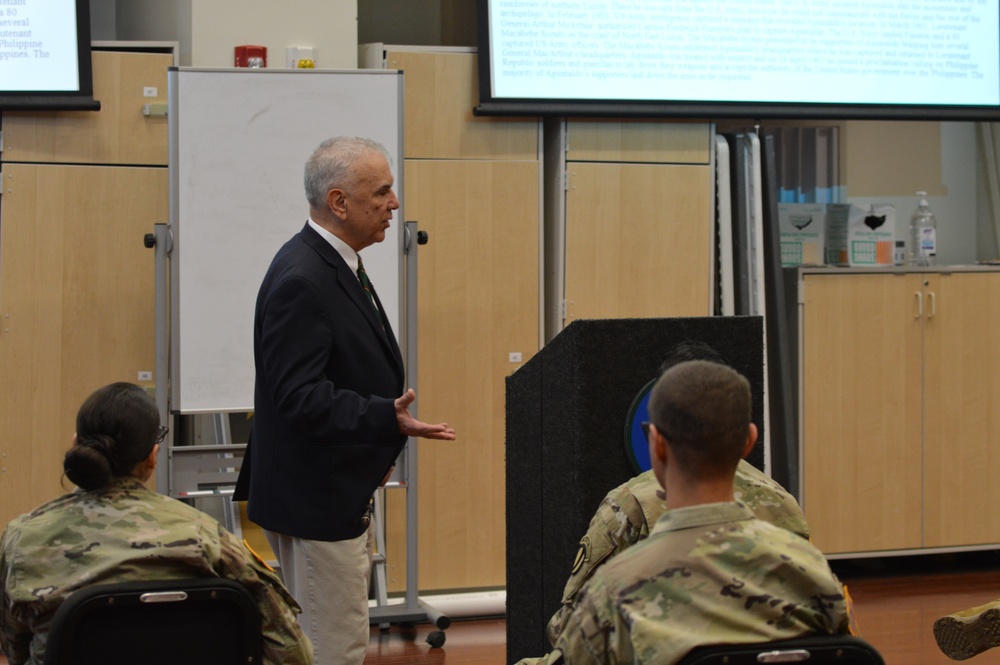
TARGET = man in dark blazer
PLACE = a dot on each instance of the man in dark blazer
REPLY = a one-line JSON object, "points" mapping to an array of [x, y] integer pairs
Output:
{"points": [[330, 411]]}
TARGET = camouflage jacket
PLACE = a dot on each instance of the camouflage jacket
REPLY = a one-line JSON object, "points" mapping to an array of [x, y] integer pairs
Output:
{"points": [[705, 575], [125, 533], [626, 513]]}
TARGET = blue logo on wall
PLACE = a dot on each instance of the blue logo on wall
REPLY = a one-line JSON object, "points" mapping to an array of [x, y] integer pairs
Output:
{"points": [[636, 447]]}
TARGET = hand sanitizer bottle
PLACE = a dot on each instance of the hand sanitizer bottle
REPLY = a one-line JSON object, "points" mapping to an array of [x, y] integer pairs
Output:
{"points": [[921, 249]]}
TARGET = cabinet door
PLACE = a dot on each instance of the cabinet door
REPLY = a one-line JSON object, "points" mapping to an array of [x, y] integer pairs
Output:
{"points": [[117, 134], [861, 447], [638, 240], [962, 409], [76, 307], [478, 303]]}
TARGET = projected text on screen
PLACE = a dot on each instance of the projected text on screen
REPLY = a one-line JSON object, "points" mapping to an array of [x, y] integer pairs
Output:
{"points": [[38, 45], [919, 52]]}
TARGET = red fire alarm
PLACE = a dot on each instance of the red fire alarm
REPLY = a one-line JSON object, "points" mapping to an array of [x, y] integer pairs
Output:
{"points": [[251, 56]]}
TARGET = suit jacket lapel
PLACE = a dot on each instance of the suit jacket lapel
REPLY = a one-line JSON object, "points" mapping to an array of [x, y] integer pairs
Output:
{"points": [[387, 335], [349, 282]]}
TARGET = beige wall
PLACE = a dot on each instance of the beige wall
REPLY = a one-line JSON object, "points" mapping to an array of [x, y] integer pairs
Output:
{"points": [[209, 29]]}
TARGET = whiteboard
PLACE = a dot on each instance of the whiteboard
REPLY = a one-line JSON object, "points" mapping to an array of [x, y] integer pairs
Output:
{"points": [[239, 140]]}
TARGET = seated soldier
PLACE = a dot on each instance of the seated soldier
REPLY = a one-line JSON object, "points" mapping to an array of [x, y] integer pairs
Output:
{"points": [[114, 529], [629, 511], [709, 572]]}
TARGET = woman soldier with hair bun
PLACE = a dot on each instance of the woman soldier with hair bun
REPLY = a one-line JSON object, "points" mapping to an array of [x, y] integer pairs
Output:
{"points": [[112, 529]]}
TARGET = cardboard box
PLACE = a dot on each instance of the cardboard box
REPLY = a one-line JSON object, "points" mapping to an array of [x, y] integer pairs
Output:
{"points": [[802, 227], [860, 236]]}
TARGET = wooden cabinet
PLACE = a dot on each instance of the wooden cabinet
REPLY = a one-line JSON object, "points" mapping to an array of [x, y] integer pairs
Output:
{"points": [[120, 133], [76, 301], [442, 88], [961, 409], [478, 303], [900, 398], [638, 241], [76, 281], [636, 219]]}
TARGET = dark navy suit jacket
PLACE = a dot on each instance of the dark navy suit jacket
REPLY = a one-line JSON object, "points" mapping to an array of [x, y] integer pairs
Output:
{"points": [[328, 371]]}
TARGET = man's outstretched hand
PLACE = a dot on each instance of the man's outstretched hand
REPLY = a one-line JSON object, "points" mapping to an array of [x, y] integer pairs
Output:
{"points": [[412, 427]]}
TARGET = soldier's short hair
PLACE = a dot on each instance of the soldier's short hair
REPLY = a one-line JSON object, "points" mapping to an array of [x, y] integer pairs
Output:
{"points": [[689, 349], [702, 409]]}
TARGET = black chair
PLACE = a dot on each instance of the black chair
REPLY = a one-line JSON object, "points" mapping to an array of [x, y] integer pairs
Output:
{"points": [[205, 620], [814, 650]]}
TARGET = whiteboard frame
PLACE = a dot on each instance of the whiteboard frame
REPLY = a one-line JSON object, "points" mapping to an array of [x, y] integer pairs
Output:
{"points": [[239, 139]]}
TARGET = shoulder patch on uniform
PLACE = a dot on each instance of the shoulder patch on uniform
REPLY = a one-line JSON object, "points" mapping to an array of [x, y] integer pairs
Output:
{"points": [[582, 554]]}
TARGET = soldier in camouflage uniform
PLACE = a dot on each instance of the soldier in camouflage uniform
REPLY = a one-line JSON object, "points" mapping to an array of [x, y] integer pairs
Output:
{"points": [[113, 529], [710, 572], [627, 513]]}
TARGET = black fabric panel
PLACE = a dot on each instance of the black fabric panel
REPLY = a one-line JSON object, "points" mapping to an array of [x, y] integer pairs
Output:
{"points": [[525, 624]]}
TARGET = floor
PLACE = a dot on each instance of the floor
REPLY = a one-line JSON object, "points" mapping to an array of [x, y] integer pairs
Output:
{"points": [[896, 601]]}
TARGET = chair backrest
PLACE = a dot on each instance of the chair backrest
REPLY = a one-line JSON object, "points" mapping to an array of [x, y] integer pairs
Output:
{"points": [[205, 620], [813, 650]]}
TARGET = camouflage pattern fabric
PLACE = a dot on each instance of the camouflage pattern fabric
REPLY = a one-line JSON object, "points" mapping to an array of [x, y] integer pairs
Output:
{"points": [[626, 513], [708, 574], [121, 534]]}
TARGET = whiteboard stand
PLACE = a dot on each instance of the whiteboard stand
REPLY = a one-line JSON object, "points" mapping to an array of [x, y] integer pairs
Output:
{"points": [[160, 241], [188, 472], [412, 609], [234, 202]]}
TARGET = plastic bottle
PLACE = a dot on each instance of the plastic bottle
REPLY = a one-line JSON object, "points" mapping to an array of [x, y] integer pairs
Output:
{"points": [[921, 250]]}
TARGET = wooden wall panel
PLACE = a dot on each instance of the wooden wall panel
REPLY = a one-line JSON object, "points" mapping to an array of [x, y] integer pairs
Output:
{"points": [[661, 142], [76, 301], [478, 302], [638, 240], [441, 91], [117, 134]]}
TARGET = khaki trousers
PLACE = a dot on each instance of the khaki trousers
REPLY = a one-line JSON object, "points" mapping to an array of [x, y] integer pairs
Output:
{"points": [[330, 581]]}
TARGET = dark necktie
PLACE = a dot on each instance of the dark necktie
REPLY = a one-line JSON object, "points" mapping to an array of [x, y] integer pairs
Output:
{"points": [[366, 283]]}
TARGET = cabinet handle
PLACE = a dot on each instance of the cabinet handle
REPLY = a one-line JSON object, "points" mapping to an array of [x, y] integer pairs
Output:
{"points": [[920, 304], [933, 299]]}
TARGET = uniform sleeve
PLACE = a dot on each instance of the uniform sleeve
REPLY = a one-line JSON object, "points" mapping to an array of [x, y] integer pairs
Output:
{"points": [[617, 525], [15, 636], [768, 500], [594, 631], [284, 641]]}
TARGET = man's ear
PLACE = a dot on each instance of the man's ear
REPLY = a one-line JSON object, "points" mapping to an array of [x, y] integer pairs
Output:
{"points": [[336, 201], [659, 447], [751, 440]]}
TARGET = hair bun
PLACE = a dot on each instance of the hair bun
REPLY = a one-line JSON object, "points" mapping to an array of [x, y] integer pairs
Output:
{"points": [[88, 463]]}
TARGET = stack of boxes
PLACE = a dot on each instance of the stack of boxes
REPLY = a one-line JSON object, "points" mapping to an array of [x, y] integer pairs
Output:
{"points": [[837, 234]]}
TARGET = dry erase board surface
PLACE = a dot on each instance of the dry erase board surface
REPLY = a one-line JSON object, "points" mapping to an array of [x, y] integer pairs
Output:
{"points": [[239, 140]]}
